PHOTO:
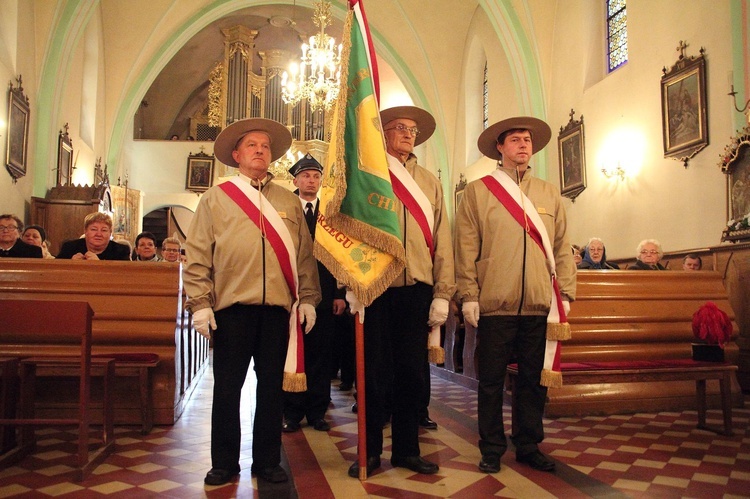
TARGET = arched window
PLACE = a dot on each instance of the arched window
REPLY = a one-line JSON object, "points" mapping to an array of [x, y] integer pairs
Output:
{"points": [[617, 33]]}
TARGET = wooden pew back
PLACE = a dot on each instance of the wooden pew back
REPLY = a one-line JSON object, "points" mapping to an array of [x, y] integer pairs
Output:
{"points": [[138, 307], [627, 316]]}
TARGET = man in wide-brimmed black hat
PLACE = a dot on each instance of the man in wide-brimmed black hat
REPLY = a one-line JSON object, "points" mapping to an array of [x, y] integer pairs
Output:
{"points": [[511, 246], [251, 277]]}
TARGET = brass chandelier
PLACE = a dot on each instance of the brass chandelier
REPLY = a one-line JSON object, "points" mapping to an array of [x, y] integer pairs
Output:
{"points": [[316, 77]]}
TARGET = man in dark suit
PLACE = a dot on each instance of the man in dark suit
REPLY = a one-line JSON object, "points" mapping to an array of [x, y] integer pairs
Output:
{"points": [[10, 243], [313, 403]]}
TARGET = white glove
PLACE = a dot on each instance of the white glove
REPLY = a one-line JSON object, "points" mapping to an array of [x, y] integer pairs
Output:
{"points": [[566, 307], [470, 309], [438, 312], [355, 305], [204, 322], [307, 316]]}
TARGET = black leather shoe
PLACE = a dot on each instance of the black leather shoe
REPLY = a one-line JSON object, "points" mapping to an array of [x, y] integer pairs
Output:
{"points": [[373, 463], [427, 423], [415, 463], [345, 387], [489, 464], [218, 476], [537, 460], [321, 425], [273, 474], [289, 426]]}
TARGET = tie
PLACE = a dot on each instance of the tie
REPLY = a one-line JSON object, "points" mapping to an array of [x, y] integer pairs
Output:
{"points": [[310, 217]]}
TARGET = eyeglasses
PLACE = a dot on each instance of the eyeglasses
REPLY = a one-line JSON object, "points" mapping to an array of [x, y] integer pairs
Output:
{"points": [[649, 252], [403, 128], [8, 228], [170, 250]]}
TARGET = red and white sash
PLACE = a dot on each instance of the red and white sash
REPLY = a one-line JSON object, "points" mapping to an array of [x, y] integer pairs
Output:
{"points": [[409, 193], [514, 200], [267, 219]]}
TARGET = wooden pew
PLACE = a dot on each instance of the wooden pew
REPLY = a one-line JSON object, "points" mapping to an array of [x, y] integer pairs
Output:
{"points": [[58, 322], [630, 316], [138, 308]]}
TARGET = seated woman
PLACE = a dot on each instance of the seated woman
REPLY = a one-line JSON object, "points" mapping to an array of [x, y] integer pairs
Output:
{"points": [[595, 257], [36, 236], [96, 243], [648, 253]]}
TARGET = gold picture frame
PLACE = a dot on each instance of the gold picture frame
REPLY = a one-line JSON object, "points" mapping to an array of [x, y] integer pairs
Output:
{"points": [[64, 157], [684, 109], [572, 153], [200, 172], [459, 192], [735, 163], [18, 131]]}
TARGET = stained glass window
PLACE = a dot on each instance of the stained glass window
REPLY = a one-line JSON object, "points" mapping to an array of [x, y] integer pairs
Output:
{"points": [[617, 33], [485, 100]]}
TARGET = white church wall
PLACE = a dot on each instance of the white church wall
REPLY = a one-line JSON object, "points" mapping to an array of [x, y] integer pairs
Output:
{"points": [[683, 208]]}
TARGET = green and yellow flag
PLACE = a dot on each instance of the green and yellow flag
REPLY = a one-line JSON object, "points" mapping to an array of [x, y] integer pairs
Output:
{"points": [[357, 236]]}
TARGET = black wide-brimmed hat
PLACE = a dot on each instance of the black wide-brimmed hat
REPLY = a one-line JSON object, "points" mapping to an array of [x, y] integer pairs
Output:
{"points": [[540, 134], [424, 120], [306, 163], [281, 138]]}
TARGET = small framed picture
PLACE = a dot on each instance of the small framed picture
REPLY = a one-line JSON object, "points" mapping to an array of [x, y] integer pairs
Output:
{"points": [[200, 172], [572, 154], [64, 157], [683, 107], [459, 192], [18, 131]]}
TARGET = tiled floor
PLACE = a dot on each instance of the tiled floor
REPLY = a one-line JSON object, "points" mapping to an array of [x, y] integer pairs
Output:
{"points": [[643, 455]]}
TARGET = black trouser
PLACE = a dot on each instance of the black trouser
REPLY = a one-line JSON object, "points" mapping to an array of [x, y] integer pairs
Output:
{"points": [[395, 355], [424, 397], [313, 403], [497, 338], [246, 332], [343, 348]]}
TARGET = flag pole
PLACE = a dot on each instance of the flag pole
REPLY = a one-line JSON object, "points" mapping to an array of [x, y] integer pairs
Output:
{"points": [[359, 340]]}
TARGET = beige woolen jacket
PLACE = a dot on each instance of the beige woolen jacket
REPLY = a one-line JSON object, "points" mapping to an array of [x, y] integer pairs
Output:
{"points": [[498, 264], [419, 266], [229, 262]]}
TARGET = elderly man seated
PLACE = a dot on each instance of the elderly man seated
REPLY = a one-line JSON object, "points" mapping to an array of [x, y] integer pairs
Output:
{"points": [[10, 243], [648, 253], [691, 261], [170, 249]]}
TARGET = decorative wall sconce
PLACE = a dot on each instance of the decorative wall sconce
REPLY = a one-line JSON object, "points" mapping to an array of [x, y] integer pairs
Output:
{"points": [[614, 172], [745, 110]]}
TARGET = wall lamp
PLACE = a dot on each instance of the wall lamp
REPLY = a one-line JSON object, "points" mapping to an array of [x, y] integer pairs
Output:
{"points": [[614, 172]]}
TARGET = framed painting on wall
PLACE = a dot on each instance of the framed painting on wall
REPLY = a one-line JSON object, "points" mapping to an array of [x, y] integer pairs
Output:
{"points": [[64, 157], [18, 131], [684, 107], [200, 172], [572, 154], [735, 163], [459, 192]]}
